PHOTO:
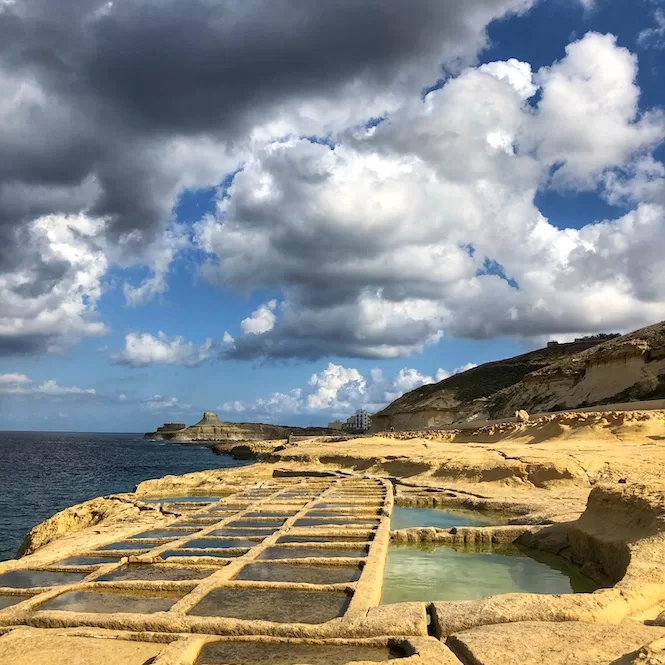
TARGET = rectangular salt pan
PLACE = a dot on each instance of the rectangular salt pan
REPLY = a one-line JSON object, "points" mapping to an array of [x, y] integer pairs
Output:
{"points": [[206, 543], [273, 605], [255, 525], [324, 539], [197, 553], [163, 573], [257, 653], [87, 560], [8, 601], [271, 516], [126, 545], [25, 579], [110, 603], [276, 572], [163, 533], [241, 532], [272, 553], [335, 522]]}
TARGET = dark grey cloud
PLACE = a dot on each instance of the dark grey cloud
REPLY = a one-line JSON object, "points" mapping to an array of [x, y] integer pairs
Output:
{"points": [[93, 94]]}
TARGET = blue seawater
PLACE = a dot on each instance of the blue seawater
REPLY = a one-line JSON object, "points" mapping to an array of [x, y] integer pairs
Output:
{"points": [[44, 472]]}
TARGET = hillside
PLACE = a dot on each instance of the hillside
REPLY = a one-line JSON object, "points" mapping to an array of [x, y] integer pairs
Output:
{"points": [[562, 376]]}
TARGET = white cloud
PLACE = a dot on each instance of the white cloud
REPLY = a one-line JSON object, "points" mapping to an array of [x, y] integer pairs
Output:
{"points": [[330, 389], [654, 37], [14, 379], [643, 180], [144, 349], [172, 404], [339, 390], [587, 120], [227, 338], [20, 384], [394, 237], [261, 320], [517, 74], [49, 299]]}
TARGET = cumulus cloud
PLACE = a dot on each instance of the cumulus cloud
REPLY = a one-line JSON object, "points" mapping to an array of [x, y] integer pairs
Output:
{"points": [[144, 349], [390, 238], [587, 120], [339, 391], [136, 117], [20, 384], [261, 320]]}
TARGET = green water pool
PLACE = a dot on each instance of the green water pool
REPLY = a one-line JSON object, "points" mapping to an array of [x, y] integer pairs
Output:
{"points": [[407, 518], [449, 573]]}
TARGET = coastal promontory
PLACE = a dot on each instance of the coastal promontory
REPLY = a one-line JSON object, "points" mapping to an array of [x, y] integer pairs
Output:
{"points": [[211, 429]]}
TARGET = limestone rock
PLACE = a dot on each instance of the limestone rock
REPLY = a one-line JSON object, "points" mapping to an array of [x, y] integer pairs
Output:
{"points": [[565, 643], [210, 419], [211, 428]]}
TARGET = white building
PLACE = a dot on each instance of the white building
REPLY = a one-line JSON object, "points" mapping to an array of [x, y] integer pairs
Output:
{"points": [[362, 420]]}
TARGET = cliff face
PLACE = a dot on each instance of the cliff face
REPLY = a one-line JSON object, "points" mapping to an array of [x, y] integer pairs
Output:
{"points": [[564, 376], [211, 428]]}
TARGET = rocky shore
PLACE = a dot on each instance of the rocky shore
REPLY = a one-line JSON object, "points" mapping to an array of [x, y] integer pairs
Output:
{"points": [[283, 561]]}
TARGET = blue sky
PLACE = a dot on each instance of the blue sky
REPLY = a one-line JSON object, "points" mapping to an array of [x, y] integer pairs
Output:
{"points": [[152, 284]]}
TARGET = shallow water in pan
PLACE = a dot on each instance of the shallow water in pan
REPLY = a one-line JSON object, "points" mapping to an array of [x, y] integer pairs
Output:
{"points": [[106, 603], [282, 606], [256, 653], [448, 573], [265, 572], [407, 518], [25, 579]]}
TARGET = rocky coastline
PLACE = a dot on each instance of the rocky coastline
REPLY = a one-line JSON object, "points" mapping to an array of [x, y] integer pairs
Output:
{"points": [[165, 574]]}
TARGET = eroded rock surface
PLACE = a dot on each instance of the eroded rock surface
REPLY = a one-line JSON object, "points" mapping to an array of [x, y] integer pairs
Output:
{"points": [[562, 376], [589, 489]]}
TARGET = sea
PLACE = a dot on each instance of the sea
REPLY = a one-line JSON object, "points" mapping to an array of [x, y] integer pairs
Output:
{"points": [[42, 473]]}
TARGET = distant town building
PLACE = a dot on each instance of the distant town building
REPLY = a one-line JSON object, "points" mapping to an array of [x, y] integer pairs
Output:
{"points": [[350, 423], [363, 421]]}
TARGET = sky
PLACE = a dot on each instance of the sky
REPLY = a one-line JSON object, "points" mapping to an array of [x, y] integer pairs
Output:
{"points": [[283, 211]]}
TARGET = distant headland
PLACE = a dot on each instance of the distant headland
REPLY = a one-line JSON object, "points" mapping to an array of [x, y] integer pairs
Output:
{"points": [[211, 429]]}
